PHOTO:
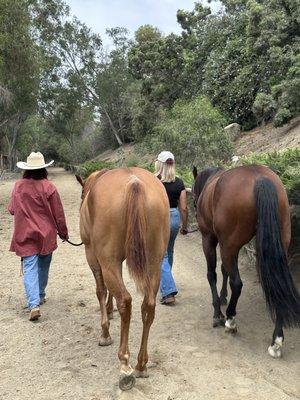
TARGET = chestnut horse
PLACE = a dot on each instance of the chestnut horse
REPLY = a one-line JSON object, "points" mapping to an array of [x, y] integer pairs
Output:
{"points": [[125, 215], [232, 206]]}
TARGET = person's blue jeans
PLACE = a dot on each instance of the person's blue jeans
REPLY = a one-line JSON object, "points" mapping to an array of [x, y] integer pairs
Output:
{"points": [[167, 283], [36, 271]]}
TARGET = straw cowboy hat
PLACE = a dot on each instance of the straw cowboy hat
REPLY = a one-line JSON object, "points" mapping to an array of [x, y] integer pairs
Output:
{"points": [[34, 161]]}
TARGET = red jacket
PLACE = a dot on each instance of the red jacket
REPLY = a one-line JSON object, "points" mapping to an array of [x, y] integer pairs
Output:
{"points": [[38, 217]]}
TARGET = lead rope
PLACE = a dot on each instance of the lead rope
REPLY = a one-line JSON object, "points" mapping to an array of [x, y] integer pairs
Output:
{"points": [[21, 267], [74, 244]]}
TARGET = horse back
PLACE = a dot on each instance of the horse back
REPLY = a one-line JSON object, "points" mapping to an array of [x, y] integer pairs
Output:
{"points": [[104, 211], [233, 206]]}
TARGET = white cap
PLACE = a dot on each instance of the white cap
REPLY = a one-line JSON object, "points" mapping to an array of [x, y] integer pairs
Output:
{"points": [[165, 155]]}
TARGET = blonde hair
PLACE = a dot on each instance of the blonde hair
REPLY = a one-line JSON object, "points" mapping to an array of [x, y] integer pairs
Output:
{"points": [[166, 172]]}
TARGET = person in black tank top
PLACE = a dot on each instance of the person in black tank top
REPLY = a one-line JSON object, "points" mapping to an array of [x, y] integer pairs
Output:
{"points": [[165, 172]]}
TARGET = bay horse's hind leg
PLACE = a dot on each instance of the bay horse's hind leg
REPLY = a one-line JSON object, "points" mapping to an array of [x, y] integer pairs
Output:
{"points": [[230, 261], [148, 313], [209, 243], [223, 293], [275, 350]]}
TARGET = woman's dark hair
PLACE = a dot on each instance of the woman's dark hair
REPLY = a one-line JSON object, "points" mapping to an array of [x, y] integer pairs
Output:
{"points": [[35, 174]]}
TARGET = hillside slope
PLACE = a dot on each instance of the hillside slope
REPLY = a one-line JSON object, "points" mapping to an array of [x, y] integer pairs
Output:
{"points": [[259, 140], [267, 139]]}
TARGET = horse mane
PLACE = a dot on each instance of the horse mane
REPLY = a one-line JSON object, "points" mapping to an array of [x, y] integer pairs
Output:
{"points": [[203, 178]]}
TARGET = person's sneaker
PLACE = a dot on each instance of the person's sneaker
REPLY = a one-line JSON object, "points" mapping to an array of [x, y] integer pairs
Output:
{"points": [[42, 301], [168, 300], [34, 314]]}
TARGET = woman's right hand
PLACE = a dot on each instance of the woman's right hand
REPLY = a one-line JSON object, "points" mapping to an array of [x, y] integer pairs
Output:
{"points": [[184, 212]]}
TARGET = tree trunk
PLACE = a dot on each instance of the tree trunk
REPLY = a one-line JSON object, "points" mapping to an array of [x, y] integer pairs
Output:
{"points": [[120, 143], [12, 141]]}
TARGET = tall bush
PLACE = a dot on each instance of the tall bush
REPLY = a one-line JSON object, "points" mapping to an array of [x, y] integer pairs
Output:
{"points": [[193, 131]]}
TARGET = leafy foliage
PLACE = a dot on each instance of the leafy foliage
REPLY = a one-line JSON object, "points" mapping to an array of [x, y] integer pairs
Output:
{"points": [[61, 92], [250, 48], [91, 166], [193, 131]]}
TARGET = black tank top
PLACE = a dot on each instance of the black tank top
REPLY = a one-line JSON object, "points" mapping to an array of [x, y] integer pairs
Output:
{"points": [[173, 191]]}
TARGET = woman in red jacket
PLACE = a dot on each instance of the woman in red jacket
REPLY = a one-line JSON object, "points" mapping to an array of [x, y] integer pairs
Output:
{"points": [[38, 218]]}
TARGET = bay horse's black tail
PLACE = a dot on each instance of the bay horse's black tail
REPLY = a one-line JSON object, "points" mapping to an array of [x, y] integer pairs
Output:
{"points": [[281, 295]]}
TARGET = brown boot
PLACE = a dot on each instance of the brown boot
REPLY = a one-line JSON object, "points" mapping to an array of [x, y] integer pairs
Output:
{"points": [[34, 314]]}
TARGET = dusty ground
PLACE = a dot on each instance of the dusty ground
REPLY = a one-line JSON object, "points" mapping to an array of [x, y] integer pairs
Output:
{"points": [[58, 357]]}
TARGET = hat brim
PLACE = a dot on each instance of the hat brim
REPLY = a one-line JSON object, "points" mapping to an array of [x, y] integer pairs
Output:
{"points": [[23, 165], [163, 160]]}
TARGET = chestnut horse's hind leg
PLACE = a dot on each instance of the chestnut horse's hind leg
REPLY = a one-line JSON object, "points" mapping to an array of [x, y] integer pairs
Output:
{"points": [[110, 306], [230, 261], [115, 284], [209, 243], [148, 312], [105, 339]]}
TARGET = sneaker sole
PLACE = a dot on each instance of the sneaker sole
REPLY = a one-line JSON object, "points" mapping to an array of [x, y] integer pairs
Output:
{"points": [[35, 317], [169, 301]]}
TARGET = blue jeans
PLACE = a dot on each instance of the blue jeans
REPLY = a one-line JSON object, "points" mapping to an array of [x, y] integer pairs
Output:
{"points": [[36, 270], [167, 283]]}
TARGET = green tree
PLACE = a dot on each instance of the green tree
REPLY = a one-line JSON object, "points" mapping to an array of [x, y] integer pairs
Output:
{"points": [[113, 84], [75, 57], [232, 56], [19, 71]]}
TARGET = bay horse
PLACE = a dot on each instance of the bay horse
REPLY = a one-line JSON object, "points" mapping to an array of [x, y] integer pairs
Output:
{"points": [[124, 214], [231, 207]]}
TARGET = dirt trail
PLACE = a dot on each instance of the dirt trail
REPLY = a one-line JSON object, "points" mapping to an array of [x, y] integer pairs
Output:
{"points": [[59, 358]]}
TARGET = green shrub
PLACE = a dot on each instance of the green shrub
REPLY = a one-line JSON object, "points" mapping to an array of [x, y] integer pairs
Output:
{"points": [[282, 116], [91, 166], [132, 161], [263, 107]]}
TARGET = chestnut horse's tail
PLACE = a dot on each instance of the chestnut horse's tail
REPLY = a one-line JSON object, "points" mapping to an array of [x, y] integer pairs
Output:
{"points": [[136, 225], [281, 295]]}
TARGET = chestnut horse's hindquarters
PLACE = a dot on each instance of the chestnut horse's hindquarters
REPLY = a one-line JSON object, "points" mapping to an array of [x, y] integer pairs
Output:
{"points": [[282, 297], [136, 225]]}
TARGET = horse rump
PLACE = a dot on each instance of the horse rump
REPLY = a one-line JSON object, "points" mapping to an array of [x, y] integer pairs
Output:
{"points": [[281, 295]]}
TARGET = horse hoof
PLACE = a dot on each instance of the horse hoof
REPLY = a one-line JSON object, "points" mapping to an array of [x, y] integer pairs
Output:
{"points": [[126, 380], [110, 316], [223, 301], [218, 321], [275, 353], [230, 326], [275, 350], [105, 341], [141, 374]]}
